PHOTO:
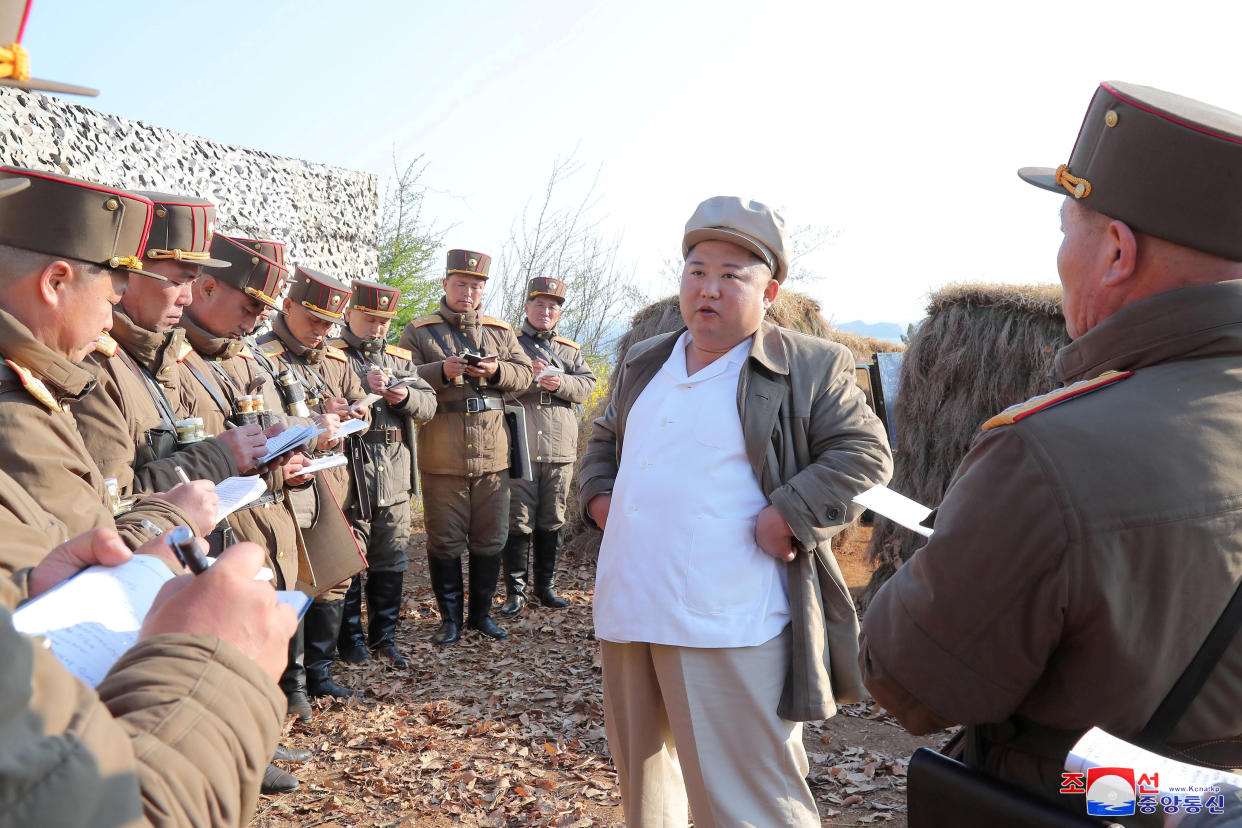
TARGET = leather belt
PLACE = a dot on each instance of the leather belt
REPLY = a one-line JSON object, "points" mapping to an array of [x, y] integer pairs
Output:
{"points": [[472, 405], [546, 398], [263, 500], [385, 436]]}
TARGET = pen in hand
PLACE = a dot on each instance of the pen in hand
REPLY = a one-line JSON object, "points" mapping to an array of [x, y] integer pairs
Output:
{"points": [[181, 541], [185, 478]]}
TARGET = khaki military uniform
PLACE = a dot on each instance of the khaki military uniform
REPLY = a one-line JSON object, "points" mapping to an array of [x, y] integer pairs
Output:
{"points": [[551, 432], [464, 454], [127, 420], [211, 379], [41, 449], [1083, 551], [153, 744], [324, 372], [387, 462]]}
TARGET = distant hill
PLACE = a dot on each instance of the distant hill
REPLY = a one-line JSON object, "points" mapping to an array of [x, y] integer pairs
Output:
{"points": [[880, 330]]}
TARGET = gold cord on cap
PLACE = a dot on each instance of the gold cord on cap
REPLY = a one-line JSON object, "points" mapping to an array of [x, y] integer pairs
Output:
{"points": [[15, 62], [132, 262], [179, 255], [324, 311], [261, 296], [1077, 187]]}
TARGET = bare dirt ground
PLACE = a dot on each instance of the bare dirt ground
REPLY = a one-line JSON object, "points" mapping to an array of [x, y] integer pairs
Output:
{"points": [[512, 734]]}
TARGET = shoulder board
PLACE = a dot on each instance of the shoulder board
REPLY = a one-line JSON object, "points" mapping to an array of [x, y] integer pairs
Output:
{"points": [[105, 345], [35, 386], [184, 351], [245, 353], [1021, 411], [272, 347], [335, 353], [403, 353], [566, 341], [427, 320], [496, 323], [338, 342]]}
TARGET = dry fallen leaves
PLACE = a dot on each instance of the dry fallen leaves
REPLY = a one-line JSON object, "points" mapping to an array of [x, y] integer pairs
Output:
{"points": [[504, 734]]}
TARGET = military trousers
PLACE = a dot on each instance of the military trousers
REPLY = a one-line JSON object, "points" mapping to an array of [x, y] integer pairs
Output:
{"points": [[539, 504], [385, 537], [466, 514]]}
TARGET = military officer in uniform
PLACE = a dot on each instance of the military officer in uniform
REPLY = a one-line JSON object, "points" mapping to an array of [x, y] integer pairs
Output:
{"points": [[470, 360], [386, 468], [128, 419], [562, 378], [298, 342], [1093, 536], [213, 378], [66, 251]]}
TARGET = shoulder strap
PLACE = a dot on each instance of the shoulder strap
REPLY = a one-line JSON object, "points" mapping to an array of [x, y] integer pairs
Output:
{"points": [[154, 391], [213, 388], [535, 350], [1162, 723]]}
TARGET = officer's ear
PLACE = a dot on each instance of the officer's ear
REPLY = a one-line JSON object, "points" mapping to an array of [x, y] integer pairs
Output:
{"points": [[1124, 261], [54, 280]]}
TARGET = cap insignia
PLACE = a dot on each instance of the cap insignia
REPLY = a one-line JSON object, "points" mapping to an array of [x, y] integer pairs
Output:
{"points": [[473, 262]]}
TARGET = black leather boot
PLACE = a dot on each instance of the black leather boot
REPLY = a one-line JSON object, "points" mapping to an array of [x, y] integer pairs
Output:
{"points": [[293, 680], [484, 574], [447, 584], [384, 606], [277, 781], [514, 558], [547, 547], [351, 642], [323, 624]]}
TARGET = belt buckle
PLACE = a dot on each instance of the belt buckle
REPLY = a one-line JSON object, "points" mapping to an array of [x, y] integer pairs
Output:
{"points": [[545, 398], [473, 405], [392, 435]]}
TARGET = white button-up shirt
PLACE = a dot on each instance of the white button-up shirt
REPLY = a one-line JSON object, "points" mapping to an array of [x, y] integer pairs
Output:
{"points": [[679, 564]]}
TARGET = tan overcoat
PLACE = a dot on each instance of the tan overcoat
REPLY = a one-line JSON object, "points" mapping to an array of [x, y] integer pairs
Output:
{"points": [[813, 445]]}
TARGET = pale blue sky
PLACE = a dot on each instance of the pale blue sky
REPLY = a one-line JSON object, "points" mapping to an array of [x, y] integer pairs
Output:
{"points": [[899, 125]]}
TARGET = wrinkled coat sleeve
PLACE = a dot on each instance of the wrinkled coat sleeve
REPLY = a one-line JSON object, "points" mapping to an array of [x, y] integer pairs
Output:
{"points": [[961, 632], [420, 403], [179, 733], [514, 371], [597, 470], [848, 450], [577, 382]]}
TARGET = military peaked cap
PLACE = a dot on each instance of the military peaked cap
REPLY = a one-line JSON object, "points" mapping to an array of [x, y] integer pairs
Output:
{"points": [[469, 263], [181, 229], [76, 219], [1166, 165], [546, 286], [15, 60], [256, 266], [323, 295], [375, 298]]}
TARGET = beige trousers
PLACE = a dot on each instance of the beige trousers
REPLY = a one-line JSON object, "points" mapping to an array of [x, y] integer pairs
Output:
{"points": [[696, 724]]}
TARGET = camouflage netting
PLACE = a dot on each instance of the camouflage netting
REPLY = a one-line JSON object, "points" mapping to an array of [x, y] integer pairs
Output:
{"points": [[326, 215], [981, 349], [790, 310]]}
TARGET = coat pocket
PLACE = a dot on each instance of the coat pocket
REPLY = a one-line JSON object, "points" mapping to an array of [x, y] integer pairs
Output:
{"points": [[726, 571]]}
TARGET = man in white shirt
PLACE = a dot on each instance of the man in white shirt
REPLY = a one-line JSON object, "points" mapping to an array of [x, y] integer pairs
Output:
{"points": [[723, 618]]}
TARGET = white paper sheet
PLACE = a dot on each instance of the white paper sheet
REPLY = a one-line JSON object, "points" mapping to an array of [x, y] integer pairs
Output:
{"points": [[288, 439], [324, 463], [236, 492], [1099, 749], [365, 402], [351, 427], [91, 619], [896, 507]]}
